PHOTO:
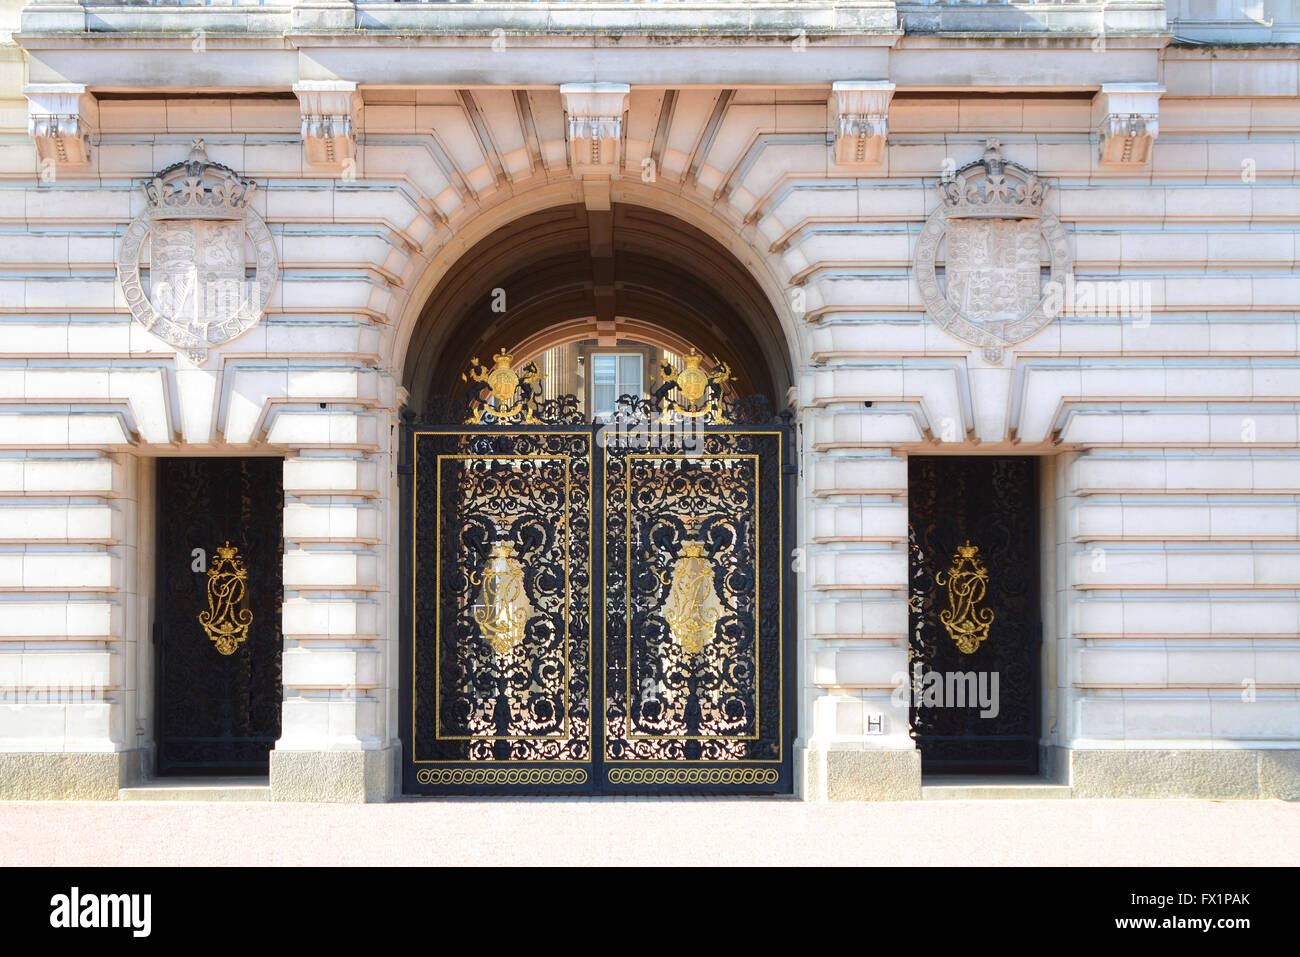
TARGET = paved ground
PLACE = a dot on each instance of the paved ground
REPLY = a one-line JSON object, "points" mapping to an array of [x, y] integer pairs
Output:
{"points": [[654, 831]]}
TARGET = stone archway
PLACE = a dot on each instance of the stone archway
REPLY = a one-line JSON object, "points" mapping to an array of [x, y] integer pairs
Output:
{"points": [[636, 694], [568, 272]]}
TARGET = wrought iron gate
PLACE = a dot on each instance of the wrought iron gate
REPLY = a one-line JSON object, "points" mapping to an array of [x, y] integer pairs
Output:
{"points": [[217, 625], [598, 607], [975, 623]]}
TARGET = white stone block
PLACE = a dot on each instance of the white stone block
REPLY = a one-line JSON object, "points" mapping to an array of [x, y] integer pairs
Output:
{"points": [[1170, 716], [319, 475], [875, 667], [325, 570], [1099, 718], [344, 668], [879, 521], [859, 618], [1114, 666], [859, 570], [859, 476], [97, 571], [1268, 718]]}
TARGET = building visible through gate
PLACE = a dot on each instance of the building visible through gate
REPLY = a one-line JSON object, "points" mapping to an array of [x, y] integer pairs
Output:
{"points": [[600, 606], [218, 630]]}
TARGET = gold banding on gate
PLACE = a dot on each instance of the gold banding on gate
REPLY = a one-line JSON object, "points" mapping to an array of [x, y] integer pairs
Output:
{"points": [[227, 617], [967, 580]]}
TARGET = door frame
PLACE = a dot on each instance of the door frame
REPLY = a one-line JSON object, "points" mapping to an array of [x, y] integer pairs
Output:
{"points": [[1042, 576], [155, 708]]}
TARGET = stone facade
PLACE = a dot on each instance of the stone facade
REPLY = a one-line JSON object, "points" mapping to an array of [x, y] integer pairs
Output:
{"points": [[387, 139]]}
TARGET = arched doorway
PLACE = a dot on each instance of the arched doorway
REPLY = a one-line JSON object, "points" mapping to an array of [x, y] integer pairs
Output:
{"points": [[628, 272], [598, 587]]}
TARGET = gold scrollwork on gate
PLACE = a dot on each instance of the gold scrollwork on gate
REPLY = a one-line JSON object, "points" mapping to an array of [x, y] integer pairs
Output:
{"points": [[967, 580], [702, 390], [503, 610], [227, 617], [511, 395]]}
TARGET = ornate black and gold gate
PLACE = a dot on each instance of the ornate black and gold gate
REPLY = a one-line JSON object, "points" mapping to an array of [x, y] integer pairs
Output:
{"points": [[975, 623], [598, 607], [217, 624]]}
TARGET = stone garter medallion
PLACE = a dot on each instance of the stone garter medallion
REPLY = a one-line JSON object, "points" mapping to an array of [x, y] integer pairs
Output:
{"points": [[198, 289], [991, 229]]}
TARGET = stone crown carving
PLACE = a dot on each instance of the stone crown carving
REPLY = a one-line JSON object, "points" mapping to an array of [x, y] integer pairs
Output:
{"points": [[198, 189], [993, 188]]}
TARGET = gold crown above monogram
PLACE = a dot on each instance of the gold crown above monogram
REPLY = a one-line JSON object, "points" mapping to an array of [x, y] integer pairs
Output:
{"points": [[198, 189], [692, 549], [992, 188], [968, 550]]}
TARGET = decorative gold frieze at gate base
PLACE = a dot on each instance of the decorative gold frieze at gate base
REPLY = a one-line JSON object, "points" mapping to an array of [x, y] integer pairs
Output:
{"points": [[697, 775], [507, 776], [967, 624], [227, 617]]}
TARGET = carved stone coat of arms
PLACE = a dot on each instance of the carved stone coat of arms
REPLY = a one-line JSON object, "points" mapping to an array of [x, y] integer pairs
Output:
{"points": [[198, 289], [992, 236]]}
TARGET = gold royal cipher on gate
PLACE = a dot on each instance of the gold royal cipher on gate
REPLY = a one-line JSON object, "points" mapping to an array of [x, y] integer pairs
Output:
{"points": [[694, 384], [967, 579], [510, 393], [502, 610], [227, 617], [692, 608]]}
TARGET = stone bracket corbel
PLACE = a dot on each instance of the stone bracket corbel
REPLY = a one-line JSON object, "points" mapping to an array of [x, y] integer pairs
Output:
{"points": [[1127, 119], [61, 120], [594, 125], [861, 108], [330, 116]]}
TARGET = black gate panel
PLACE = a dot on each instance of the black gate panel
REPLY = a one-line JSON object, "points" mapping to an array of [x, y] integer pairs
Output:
{"points": [[975, 612], [695, 613], [217, 626], [597, 607], [502, 614]]}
